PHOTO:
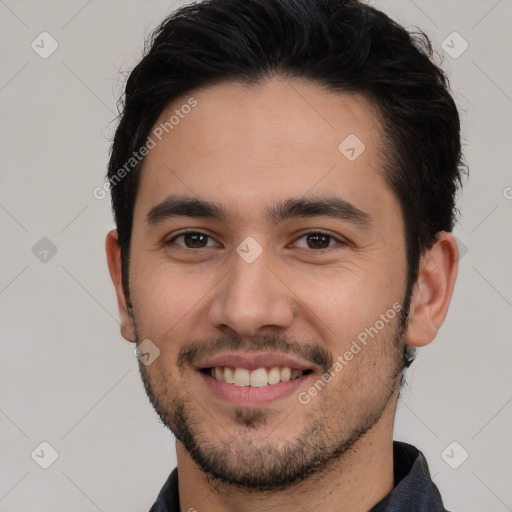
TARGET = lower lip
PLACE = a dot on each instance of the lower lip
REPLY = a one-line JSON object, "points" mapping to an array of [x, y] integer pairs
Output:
{"points": [[245, 395]]}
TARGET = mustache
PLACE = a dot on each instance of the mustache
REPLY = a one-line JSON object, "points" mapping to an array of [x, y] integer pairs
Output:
{"points": [[194, 352]]}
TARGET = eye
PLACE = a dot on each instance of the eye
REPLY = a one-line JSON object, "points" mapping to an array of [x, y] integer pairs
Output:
{"points": [[197, 240], [193, 240], [317, 240]]}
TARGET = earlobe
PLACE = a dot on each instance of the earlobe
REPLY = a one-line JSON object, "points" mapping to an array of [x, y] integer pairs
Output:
{"points": [[433, 290], [113, 251]]}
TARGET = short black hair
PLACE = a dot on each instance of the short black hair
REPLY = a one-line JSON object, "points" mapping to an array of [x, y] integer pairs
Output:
{"points": [[342, 45]]}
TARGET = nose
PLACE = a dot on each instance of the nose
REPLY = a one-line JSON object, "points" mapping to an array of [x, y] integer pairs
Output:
{"points": [[252, 298]]}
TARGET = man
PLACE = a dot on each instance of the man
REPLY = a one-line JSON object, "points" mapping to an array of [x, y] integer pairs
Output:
{"points": [[283, 180]]}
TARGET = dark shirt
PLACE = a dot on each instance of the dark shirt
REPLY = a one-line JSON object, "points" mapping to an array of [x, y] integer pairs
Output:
{"points": [[414, 489]]}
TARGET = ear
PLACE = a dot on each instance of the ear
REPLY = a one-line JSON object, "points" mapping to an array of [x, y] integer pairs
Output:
{"points": [[113, 250], [433, 290]]}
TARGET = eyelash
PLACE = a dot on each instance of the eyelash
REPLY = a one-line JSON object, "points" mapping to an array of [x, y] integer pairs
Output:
{"points": [[322, 233]]}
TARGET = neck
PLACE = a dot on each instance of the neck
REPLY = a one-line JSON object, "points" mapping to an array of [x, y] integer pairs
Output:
{"points": [[355, 482]]}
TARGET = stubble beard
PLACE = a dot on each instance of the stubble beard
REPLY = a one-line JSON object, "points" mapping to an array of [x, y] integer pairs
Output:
{"points": [[247, 461]]}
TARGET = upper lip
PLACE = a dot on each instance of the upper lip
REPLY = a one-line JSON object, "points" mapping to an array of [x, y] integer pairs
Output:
{"points": [[252, 361]]}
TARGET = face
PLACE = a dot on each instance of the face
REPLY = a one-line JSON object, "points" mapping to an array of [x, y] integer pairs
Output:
{"points": [[268, 269]]}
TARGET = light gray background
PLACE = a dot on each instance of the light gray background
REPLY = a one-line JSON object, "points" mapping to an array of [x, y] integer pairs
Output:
{"points": [[68, 378]]}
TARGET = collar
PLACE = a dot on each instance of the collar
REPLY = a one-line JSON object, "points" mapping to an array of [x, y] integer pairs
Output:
{"points": [[414, 488]]}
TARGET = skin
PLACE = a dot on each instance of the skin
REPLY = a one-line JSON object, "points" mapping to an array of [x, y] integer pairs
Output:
{"points": [[247, 147]]}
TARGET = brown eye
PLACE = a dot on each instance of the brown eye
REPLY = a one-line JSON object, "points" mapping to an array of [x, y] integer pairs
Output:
{"points": [[317, 240], [193, 240]]}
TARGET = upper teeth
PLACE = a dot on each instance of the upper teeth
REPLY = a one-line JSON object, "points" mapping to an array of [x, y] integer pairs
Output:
{"points": [[255, 378]]}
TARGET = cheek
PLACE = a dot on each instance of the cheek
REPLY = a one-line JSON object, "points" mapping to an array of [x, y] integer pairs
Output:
{"points": [[167, 299], [343, 304]]}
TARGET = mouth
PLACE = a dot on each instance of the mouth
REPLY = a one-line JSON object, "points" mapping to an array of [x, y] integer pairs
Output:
{"points": [[245, 379], [257, 378]]}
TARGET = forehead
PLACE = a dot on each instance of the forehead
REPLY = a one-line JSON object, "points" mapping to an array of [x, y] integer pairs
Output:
{"points": [[247, 145]]}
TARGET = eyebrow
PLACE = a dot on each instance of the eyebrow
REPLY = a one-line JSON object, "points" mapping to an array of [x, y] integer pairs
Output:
{"points": [[331, 206]]}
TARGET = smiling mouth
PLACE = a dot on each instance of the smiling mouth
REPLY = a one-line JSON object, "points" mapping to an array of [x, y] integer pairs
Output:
{"points": [[257, 378]]}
